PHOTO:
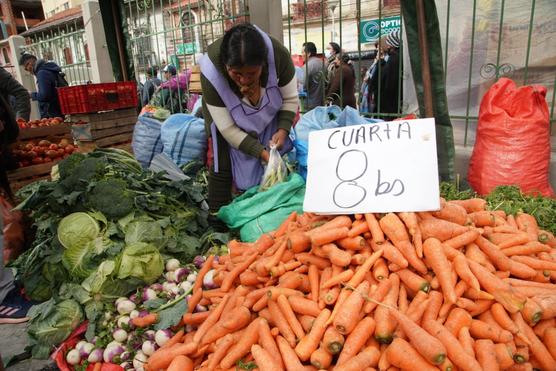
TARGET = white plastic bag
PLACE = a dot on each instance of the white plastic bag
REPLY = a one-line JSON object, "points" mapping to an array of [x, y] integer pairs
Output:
{"points": [[275, 171]]}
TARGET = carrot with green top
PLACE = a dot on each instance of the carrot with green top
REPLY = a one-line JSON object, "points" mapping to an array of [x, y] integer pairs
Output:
{"points": [[333, 340], [538, 349], [321, 358], [357, 339], [385, 323], [471, 205], [413, 281], [532, 312], [504, 356], [401, 354], [380, 269], [347, 317]]}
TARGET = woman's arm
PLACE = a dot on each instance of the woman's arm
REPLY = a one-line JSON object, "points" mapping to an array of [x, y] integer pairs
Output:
{"points": [[10, 86]]}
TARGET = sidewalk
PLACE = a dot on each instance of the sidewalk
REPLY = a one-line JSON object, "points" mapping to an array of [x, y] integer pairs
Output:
{"points": [[13, 340]]}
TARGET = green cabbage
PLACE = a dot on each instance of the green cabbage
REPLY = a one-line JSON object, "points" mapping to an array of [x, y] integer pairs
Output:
{"points": [[145, 231], [77, 229], [141, 260]]}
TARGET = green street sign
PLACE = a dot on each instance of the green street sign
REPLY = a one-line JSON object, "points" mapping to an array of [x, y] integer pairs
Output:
{"points": [[370, 28], [187, 48]]}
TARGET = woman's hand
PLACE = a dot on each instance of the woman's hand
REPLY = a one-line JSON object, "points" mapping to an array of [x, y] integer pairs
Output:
{"points": [[265, 156], [279, 138]]}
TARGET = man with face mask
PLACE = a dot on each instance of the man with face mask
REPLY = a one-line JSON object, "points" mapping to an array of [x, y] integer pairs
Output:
{"points": [[331, 51], [388, 98]]}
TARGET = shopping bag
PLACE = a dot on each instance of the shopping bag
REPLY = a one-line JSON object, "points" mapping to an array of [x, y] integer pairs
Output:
{"points": [[184, 138], [275, 171], [513, 140], [146, 142]]}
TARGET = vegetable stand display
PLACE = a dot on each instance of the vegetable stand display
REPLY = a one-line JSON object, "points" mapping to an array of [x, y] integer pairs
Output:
{"points": [[466, 287], [105, 129]]}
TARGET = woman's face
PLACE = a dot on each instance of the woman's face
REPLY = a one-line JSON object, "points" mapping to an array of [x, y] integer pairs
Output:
{"points": [[247, 78]]}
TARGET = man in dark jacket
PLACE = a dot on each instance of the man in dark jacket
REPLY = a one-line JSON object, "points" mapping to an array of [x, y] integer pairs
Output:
{"points": [[150, 86], [10, 87], [388, 99], [48, 79]]}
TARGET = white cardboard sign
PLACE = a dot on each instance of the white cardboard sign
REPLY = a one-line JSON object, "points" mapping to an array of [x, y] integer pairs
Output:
{"points": [[383, 167]]}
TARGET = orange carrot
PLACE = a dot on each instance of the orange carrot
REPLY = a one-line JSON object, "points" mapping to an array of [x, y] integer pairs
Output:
{"points": [[428, 346], [358, 227], [378, 295], [431, 313], [207, 266], [284, 226], [367, 358], [463, 239], [413, 281], [532, 312], [321, 359], [291, 361], [222, 346], [338, 279], [380, 270], [249, 337], [466, 341], [301, 305], [281, 322], [385, 323], [332, 340], [309, 343], [462, 269], [394, 228], [412, 223], [352, 243], [538, 349], [457, 319], [307, 258], [307, 321], [336, 256], [440, 229], [230, 278], [515, 240], [504, 355], [235, 320], [391, 253], [401, 354], [529, 248], [452, 212], [145, 321], [356, 339], [374, 227], [298, 242], [288, 313], [348, 315], [178, 337], [454, 349], [329, 235], [527, 223], [549, 339], [471, 204], [486, 355], [265, 361], [482, 330], [441, 267], [359, 274], [547, 303], [162, 358], [503, 319], [276, 256], [181, 363], [482, 218]]}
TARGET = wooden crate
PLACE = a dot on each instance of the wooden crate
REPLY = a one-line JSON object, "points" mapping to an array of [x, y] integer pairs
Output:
{"points": [[195, 80], [63, 130], [30, 174], [109, 128]]}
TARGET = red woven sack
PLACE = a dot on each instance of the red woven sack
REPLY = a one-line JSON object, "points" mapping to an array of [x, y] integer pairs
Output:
{"points": [[513, 140]]}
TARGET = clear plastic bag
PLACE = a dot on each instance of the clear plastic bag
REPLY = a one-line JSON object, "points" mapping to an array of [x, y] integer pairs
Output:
{"points": [[275, 171]]}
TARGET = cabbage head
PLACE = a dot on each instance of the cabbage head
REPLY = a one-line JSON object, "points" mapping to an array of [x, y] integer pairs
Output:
{"points": [[145, 231], [141, 260], [77, 230]]}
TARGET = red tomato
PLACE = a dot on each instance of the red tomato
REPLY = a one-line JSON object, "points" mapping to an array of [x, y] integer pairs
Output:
{"points": [[70, 148], [28, 147], [47, 159], [37, 160], [53, 146], [31, 154], [61, 152]]}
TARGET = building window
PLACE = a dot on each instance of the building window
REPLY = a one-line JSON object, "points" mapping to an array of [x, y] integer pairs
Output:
{"points": [[68, 57]]}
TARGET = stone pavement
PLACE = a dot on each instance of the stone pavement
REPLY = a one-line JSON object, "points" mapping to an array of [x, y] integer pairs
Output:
{"points": [[13, 340]]}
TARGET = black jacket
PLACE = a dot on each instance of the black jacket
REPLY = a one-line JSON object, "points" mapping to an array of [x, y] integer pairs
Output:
{"points": [[388, 100], [10, 87], [47, 82]]}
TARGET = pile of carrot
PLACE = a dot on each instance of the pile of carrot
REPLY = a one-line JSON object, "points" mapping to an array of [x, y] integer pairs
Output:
{"points": [[462, 288]]}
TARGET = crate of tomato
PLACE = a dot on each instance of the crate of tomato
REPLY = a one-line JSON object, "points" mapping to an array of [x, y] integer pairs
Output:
{"points": [[42, 128], [36, 158]]}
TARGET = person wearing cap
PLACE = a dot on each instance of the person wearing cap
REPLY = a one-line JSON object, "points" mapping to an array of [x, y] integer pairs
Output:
{"points": [[174, 89], [49, 77], [388, 97], [150, 85], [249, 102]]}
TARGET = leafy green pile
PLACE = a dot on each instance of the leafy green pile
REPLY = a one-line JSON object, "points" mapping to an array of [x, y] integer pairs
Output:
{"points": [[105, 226], [511, 200]]}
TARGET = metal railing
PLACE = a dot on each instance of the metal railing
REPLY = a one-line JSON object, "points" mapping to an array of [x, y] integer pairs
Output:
{"points": [[66, 45], [175, 32]]}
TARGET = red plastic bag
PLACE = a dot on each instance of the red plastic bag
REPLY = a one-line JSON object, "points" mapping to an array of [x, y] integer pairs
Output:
{"points": [[513, 140], [14, 238], [59, 355]]}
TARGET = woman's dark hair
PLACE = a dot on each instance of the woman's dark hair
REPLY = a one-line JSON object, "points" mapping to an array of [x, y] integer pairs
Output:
{"points": [[243, 45], [310, 48], [335, 47]]}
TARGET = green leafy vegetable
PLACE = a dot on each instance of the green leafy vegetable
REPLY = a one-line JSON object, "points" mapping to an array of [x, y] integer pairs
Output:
{"points": [[77, 229], [141, 260], [171, 316]]}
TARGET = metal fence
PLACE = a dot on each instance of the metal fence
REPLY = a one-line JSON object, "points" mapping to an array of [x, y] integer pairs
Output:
{"points": [[67, 46], [482, 41]]}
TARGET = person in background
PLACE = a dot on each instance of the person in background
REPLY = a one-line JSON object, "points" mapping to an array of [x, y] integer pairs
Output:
{"points": [[174, 90], [331, 51], [13, 306], [388, 98], [249, 102], [315, 72], [341, 91], [10, 87], [150, 85], [49, 77]]}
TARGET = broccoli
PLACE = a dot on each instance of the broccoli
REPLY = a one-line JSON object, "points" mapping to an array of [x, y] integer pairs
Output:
{"points": [[83, 173], [112, 198], [66, 167]]}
